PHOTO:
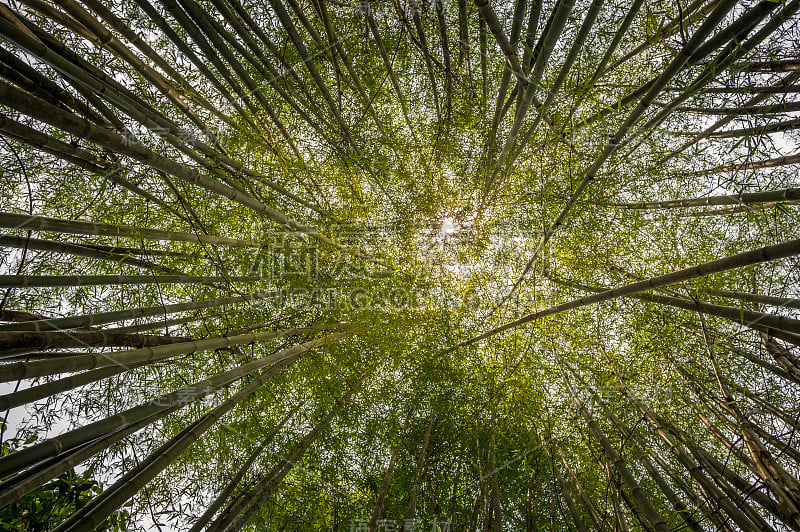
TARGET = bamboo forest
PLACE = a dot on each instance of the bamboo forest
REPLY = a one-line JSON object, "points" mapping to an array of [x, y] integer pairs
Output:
{"points": [[399, 265]]}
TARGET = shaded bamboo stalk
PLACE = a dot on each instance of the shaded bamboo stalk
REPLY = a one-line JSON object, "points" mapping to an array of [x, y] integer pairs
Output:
{"points": [[385, 484], [47, 389], [779, 326], [784, 107], [696, 470], [612, 47], [738, 44], [80, 158], [164, 323], [775, 127], [665, 488], [500, 108], [421, 463], [587, 502], [736, 210], [35, 340], [495, 26], [777, 65], [691, 14], [24, 483], [684, 512], [751, 165], [583, 33], [762, 94], [41, 110]]}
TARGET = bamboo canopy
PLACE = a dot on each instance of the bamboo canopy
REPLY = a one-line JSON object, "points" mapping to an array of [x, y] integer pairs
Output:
{"points": [[399, 265]]}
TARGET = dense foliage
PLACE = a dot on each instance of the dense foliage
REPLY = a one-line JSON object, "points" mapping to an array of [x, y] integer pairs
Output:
{"points": [[313, 265]]}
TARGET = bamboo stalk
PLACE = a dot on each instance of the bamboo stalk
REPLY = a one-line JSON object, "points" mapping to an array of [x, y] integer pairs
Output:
{"points": [[38, 368], [735, 48], [82, 74], [695, 470], [187, 51], [587, 502], [286, 21], [444, 37], [43, 86], [47, 389], [102, 37], [215, 505], [687, 17], [419, 467], [242, 513], [463, 38], [164, 323], [744, 198], [740, 260], [751, 165], [577, 46], [25, 281], [500, 108], [212, 31], [698, 52], [334, 41], [722, 474], [541, 55], [771, 89], [760, 96], [100, 318], [648, 510], [612, 47], [377, 511], [426, 54], [56, 225], [777, 65], [41, 110], [95, 512], [785, 302], [80, 158], [31, 341], [782, 107], [684, 512], [653, 89], [562, 485], [26, 482], [51, 447], [65, 248], [736, 210], [495, 26], [766, 129], [401, 98], [778, 326]]}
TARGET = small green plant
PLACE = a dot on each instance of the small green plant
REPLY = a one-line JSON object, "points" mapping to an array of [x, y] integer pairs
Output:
{"points": [[47, 506]]}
